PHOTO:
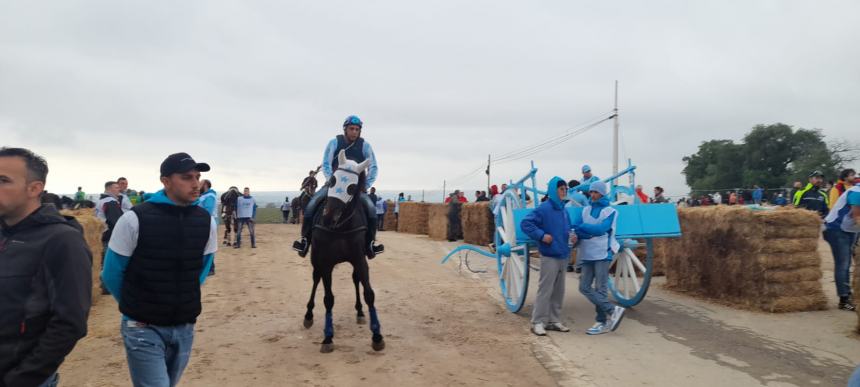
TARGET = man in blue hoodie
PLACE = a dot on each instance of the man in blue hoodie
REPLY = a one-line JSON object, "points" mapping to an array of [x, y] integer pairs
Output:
{"points": [[597, 245], [208, 200], [158, 257], [549, 224]]}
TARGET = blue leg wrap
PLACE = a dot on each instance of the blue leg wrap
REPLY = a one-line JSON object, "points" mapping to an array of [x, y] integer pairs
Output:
{"points": [[329, 325], [374, 322]]}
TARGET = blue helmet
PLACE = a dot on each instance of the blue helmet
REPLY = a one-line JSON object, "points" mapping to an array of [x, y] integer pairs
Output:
{"points": [[353, 120]]}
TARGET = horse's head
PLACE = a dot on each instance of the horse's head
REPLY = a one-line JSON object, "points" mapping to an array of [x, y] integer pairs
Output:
{"points": [[344, 186]]}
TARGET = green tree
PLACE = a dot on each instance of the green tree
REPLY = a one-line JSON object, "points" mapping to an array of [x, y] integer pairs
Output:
{"points": [[769, 155], [717, 165]]}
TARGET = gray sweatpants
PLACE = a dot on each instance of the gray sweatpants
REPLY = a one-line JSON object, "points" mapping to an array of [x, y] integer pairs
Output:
{"points": [[550, 295]]}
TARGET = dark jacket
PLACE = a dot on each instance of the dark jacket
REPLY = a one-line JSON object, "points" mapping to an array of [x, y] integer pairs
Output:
{"points": [[161, 285], [813, 199], [45, 295], [550, 218], [112, 210]]}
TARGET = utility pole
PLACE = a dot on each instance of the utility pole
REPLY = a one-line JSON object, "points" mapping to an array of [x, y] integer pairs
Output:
{"points": [[615, 134], [488, 172], [443, 190]]}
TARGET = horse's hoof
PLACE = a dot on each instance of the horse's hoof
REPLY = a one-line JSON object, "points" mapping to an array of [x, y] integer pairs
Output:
{"points": [[308, 323], [361, 320], [378, 346], [327, 348]]}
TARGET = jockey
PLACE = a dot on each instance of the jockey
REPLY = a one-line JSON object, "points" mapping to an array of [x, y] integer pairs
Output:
{"points": [[358, 150]]}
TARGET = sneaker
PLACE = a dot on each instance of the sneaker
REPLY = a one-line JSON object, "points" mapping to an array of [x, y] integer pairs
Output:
{"points": [[847, 305], [236, 246], [570, 269], [538, 329], [597, 329], [302, 246], [615, 319], [253, 246], [557, 326]]}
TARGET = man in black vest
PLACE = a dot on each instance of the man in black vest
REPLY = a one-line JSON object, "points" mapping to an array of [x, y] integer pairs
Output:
{"points": [[356, 150], [45, 276], [158, 256]]}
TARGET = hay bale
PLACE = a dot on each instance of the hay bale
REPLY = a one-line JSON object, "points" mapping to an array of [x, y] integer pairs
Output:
{"points": [[765, 260], [478, 223], [658, 268], [389, 222], [413, 218], [93, 229], [437, 221]]}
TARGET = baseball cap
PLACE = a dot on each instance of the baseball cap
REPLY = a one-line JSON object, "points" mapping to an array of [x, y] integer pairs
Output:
{"points": [[180, 163], [586, 168], [816, 173]]}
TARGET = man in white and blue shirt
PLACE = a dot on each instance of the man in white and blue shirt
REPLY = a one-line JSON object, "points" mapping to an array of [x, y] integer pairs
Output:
{"points": [[842, 226], [246, 212]]}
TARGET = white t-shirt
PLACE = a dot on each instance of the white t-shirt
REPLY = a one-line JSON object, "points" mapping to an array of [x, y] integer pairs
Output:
{"points": [[123, 239]]}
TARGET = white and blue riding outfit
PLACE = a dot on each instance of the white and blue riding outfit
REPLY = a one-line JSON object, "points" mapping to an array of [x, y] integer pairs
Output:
{"points": [[358, 151]]}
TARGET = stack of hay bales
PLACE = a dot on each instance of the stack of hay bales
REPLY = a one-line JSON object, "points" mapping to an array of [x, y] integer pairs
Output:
{"points": [[413, 218], [765, 260], [93, 229], [478, 223], [660, 246], [437, 221], [389, 222]]}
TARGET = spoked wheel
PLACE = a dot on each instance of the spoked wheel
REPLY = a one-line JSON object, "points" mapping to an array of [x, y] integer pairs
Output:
{"points": [[512, 258], [631, 278]]}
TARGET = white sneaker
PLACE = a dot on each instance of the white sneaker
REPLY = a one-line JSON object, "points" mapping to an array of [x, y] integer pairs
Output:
{"points": [[538, 329], [615, 319], [557, 326], [597, 329]]}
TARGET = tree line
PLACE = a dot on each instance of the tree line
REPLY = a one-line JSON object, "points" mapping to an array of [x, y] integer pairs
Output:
{"points": [[769, 156]]}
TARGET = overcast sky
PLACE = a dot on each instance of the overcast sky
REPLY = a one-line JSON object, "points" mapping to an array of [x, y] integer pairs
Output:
{"points": [[257, 88]]}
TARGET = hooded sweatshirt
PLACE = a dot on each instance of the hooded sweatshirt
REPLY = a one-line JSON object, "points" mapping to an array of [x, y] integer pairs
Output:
{"points": [[550, 218], [587, 232], [45, 295], [124, 241], [208, 201]]}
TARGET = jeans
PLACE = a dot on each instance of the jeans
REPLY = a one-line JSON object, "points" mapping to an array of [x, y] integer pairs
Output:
{"points": [[842, 245], [156, 355], [286, 216], [380, 219], [596, 272], [52, 381], [242, 223]]}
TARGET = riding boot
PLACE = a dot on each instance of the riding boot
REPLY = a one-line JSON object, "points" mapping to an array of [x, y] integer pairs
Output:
{"points": [[370, 237], [302, 246]]}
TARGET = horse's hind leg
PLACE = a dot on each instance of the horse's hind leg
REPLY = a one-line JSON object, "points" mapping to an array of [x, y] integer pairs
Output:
{"points": [[328, 344], [309, 316], [378, 343], [360, 313]]}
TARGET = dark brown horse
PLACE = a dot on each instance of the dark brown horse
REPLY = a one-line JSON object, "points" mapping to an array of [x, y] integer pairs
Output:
{"points": [[339, 236]]}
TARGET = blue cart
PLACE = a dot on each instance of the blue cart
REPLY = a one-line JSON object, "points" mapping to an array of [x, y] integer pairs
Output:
{"points": [[637, 224]]}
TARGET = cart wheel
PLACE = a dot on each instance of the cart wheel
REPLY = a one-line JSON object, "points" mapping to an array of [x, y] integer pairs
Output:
{"points": [[631, 279], [512, 258]]}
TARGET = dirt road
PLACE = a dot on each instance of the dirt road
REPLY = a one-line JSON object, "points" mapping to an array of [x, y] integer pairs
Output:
{"points": [[440, 328], [445, 326]]}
